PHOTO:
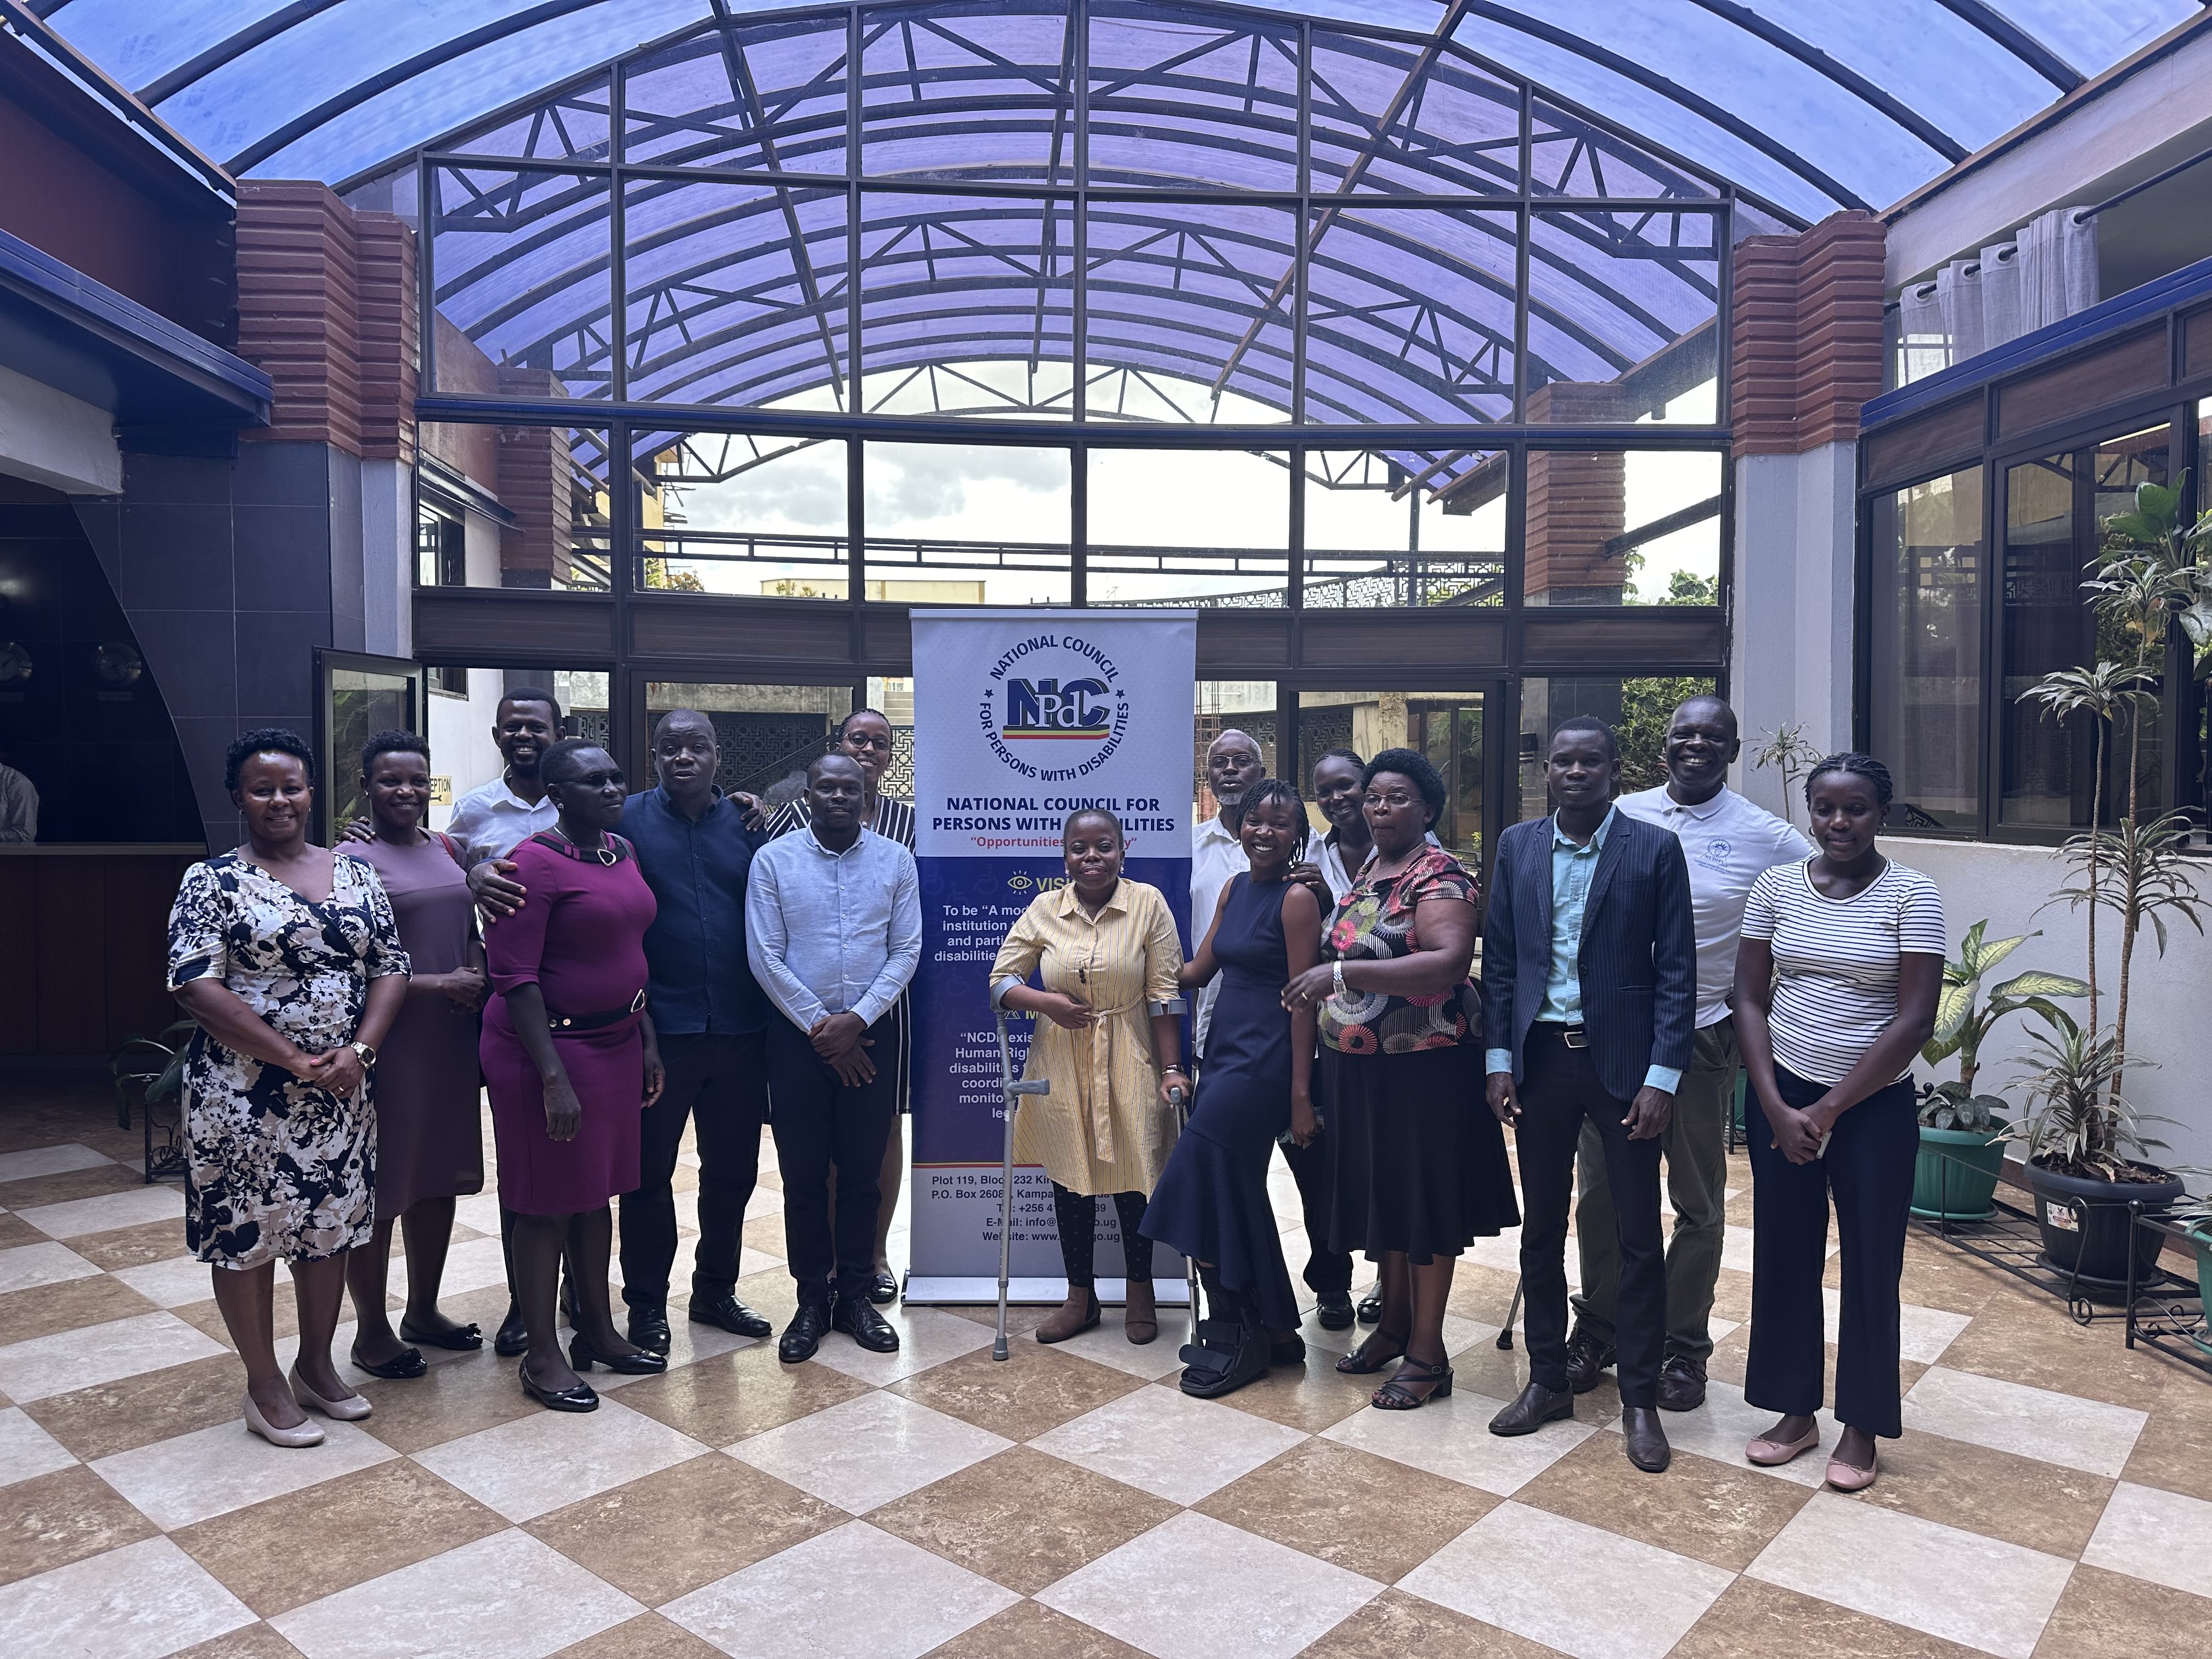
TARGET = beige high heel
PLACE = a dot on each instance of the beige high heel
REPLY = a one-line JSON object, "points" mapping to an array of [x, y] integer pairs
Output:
{"points": [[351, 1409], [306, 1434]]}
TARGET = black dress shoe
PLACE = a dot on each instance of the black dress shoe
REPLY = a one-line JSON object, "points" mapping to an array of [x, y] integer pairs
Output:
{"points": [[583, 1397], [1647, 1441], [884, 1288], [1370, 1310], [857, 1317], [1587, 1358], [1681, 1385], [461, 1338], [409, 1362], [649, 1327], [727, 1312], [1334, 1310], [513, 1336], [1536, 1407], [804, 1335], [582, 1356]]}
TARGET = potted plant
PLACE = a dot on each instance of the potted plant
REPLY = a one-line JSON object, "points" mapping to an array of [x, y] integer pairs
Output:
{"points": [[1962, 1134], [2078, 1137]]}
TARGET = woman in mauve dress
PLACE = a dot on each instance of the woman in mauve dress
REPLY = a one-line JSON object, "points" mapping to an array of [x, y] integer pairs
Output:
{"points": [[429, 1129], [570, 1061]]}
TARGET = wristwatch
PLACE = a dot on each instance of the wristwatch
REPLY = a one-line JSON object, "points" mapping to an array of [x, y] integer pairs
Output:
{"points": [[367, 1054]]}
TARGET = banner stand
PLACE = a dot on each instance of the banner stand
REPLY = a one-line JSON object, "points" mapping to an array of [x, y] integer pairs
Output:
{"points": [[1022, 716]]}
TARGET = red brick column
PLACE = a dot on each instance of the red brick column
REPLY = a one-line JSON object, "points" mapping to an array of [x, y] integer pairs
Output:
{"points": [[1805, 349]]}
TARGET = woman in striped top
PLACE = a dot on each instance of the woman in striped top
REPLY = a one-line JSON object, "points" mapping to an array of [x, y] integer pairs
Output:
{"points": [[1836, 984], [865, 735]]}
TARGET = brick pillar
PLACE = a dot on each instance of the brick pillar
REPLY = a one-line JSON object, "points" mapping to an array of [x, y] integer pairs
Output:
{"points": [[1577, 501], [1805, 348], [534, 484], [390, 332], [299, 309]]}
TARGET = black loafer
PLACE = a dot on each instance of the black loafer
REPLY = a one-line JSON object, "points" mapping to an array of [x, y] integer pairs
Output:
{"points": [[727, 1313], [582, 1398], [649, 1327], [1370, 1310], [1536, 1407], [582, 1356], [1333, 1311], [1647, 1441], [1587, 1358], [1681, 1385], [883, 1288], [513, 1337], [409, 1362], [462, 1338], [804, 1335], [857, 1317]]}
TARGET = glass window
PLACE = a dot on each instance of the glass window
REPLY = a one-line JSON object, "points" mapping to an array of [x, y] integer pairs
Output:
{"points": [[767, 734], [513, 506], [1637, 708], [1926, 691], [2056, 509], [1195, 527], [725, 513], [1607, 527], [968, 524], [1622, 310], [1436, 519], [520, 262], [1446, 727]]}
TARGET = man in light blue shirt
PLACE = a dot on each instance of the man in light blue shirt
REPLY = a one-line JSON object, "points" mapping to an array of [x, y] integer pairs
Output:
{"points": [[833, 922]]}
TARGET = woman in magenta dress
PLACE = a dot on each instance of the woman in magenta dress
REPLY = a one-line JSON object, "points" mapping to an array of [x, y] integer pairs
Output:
{"points": [[570, 1062]]}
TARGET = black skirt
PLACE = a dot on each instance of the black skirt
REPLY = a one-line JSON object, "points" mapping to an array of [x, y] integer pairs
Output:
{"points": [[1416, 1158]]}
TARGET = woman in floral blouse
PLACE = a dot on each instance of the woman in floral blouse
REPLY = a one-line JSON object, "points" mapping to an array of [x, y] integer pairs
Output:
{"points": [[1417, 1166], [287, 955]]}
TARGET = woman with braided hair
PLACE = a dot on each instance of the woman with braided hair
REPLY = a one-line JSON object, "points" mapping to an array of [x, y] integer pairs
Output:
{"points": [[1836, 984]]}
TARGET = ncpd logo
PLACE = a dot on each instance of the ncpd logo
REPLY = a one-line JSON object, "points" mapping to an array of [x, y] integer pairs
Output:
{"points": [[1055, 707], [1047, 709]]}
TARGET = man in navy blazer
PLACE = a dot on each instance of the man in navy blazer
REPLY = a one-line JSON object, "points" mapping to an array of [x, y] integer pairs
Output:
{"points": [[1589, 1001]]}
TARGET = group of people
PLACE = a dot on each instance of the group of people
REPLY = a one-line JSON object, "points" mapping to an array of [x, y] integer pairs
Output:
{"points": [[611, 967], [1637, 952], [677, 956]]}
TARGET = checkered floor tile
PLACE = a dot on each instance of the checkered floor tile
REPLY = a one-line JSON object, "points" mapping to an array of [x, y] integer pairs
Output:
{"points": [[2052, 1494]]}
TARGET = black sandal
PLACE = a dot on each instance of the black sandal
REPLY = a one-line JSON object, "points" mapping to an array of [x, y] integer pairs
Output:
{"points": [[1397, 1394], [1360, 1363], [462, 1338]]}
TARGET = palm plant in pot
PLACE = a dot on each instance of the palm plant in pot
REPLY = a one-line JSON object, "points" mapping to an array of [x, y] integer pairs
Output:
{"points": [[1963, 1133], [2082, 1130]]}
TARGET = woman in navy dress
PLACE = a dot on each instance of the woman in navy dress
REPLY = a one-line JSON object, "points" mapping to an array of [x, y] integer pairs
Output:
{"points": [[1211, 1202]]}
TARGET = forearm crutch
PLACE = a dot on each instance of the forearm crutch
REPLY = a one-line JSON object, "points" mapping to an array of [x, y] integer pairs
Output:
{"points": [[1513, 1312], [1179, 1099], [1013, 1091]]}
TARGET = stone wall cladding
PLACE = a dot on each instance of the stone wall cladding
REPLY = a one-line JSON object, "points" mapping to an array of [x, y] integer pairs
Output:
{"points": [[1805, 352]]}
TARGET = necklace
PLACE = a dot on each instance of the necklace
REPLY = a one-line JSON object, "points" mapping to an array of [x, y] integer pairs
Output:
{"points": [[603, 853]]}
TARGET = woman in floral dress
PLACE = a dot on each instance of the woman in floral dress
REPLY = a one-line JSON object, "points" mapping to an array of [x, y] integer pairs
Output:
{"points": [[288, 957]]}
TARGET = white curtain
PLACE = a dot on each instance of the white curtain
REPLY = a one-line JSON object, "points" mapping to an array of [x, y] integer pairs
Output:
{"points": [[2045, 275]]}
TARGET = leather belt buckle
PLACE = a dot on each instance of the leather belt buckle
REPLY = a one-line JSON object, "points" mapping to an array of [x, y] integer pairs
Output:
{"points": [[1574, 1036], [637, 1003]]}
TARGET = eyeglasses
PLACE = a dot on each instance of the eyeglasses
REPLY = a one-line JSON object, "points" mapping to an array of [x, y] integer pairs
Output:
{"points": [[856, 740], [1393, 799]]}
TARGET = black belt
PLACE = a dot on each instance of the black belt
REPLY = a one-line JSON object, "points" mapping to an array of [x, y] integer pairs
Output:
{"points": [[594, 1022], [1574, 1037]]}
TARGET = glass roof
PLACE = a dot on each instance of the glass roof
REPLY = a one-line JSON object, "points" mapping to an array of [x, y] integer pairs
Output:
{"points": [[1811, 104]]}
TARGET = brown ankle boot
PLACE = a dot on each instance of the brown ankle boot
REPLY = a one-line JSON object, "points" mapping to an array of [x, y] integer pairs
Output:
{"points": [[1140, 1318], [1072, 1318]]}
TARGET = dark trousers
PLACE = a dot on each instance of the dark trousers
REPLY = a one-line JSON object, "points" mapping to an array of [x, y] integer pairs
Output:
{"points": [[820, 1123], [1326, 1271], [1559, 1091], [1076, 1216], [720, 1084], [1868, 1168]]}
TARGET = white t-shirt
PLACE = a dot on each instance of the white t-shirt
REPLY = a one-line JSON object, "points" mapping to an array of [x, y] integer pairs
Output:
{"points": [[1837, 961], [1727, 843]]}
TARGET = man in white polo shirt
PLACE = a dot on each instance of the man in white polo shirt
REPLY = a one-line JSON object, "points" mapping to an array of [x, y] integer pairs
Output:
{"points": [[1727, 843]]}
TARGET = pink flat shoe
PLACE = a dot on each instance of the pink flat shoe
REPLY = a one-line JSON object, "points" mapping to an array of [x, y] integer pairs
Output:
{"points": [[1773, 1453], [1844, 1478]]}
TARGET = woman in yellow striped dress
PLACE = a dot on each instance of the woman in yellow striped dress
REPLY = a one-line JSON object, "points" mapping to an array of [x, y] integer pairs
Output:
{"points": [[1102, 948]]}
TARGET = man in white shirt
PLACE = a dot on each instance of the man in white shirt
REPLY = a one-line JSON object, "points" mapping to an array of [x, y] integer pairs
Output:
{"points": [[1233, 765], [495, 818], [1727, 843]]}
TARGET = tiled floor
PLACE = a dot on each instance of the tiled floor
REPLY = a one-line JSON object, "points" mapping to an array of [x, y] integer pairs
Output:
{"points": [[2052, 1495]]}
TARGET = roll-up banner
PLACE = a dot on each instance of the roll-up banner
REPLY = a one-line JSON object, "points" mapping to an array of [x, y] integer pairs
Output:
{"points": [[1021, 717]]}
